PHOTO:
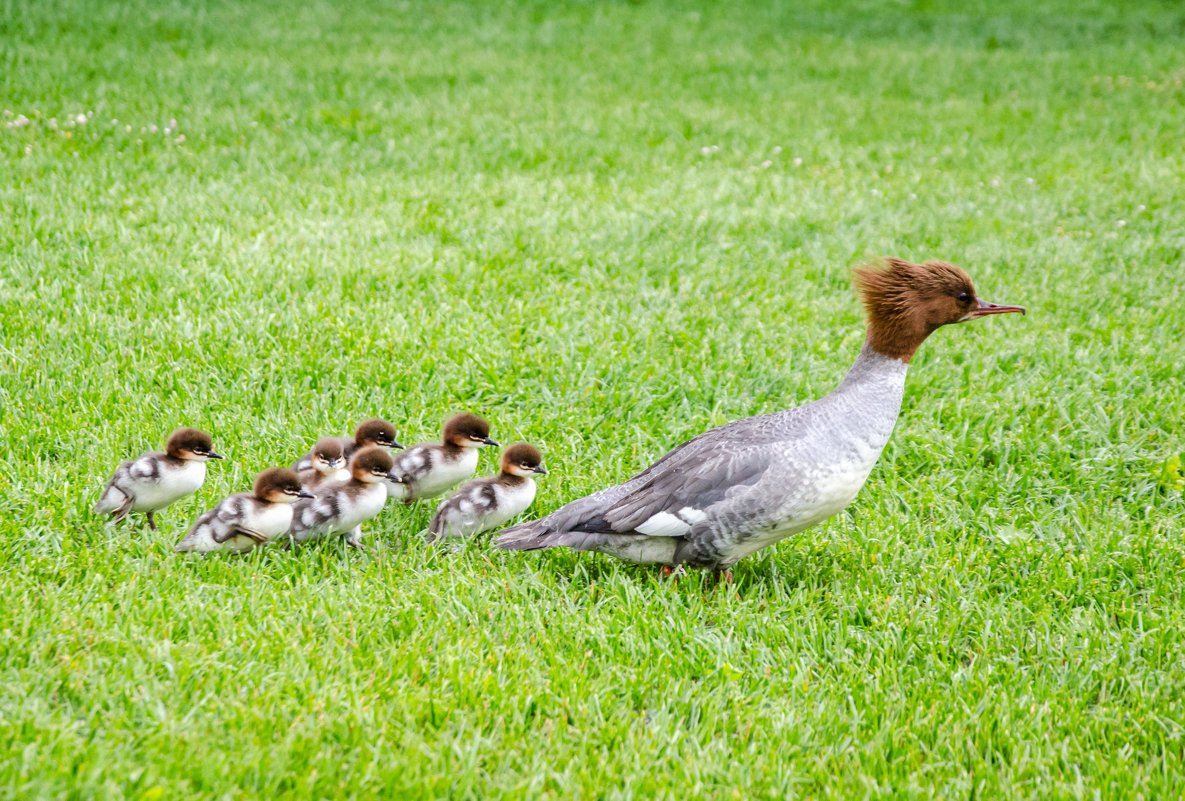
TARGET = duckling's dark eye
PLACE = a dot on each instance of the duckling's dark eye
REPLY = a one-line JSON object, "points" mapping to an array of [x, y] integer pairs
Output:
{"points": [[964, 297]]}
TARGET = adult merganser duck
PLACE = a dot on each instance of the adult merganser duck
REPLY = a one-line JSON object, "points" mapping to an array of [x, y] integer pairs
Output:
{"points": [[155, 480], [328, 464], [246, 520], [374, 431], [748, 484], [343, 508], [430, 468], [485, 503]]}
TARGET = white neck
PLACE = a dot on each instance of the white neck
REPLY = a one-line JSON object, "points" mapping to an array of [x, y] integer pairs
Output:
{"points": [[870, 395]]}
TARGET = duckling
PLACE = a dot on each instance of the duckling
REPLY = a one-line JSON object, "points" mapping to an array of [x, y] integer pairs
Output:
{"points": [[156, 480], [430, 468], [374, 431], [486, 503], [328, 464], [342, 508], [246, 520]]}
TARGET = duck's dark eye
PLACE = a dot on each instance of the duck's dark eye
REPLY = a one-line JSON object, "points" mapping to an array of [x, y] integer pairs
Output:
{"points": [[964, 297]]}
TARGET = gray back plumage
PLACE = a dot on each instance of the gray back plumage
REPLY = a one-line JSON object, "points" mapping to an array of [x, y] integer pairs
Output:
{"points": [[220, 522], [727, 483]]}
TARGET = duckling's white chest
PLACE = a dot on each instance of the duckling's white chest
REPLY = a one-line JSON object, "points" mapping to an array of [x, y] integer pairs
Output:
{"points": [[446, 473], [360, 507], [271, 520], [512, 500], [175, 482]]}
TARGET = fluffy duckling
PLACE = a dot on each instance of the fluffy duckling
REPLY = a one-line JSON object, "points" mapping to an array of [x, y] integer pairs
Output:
{"points": [[328, 464], [155, 480], [246, 520], [486, 503], [374, 431], [430, 468], [342, 508]]}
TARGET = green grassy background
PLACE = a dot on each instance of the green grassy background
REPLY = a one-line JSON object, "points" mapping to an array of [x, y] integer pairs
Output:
{"points": [[606, 227]]}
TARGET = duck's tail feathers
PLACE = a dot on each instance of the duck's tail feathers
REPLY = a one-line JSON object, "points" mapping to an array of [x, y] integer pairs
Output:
{"points": [[111, 499], [436, 527], [580, 524], [533, 535], [538, 535]]}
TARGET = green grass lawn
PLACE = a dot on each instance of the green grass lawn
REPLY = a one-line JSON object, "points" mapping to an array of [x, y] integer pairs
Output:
{"points": [[606, 227]]}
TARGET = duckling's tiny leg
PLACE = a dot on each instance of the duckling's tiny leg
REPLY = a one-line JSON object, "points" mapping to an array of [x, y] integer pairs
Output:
{"points": [[151, 521], [354, 538]]}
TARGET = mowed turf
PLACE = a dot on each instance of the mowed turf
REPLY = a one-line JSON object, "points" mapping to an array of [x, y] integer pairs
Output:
{"points": [[606, 227]]}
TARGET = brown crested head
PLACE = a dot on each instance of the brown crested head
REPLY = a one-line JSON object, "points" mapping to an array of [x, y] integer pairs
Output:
{"points": [[907, 302], [190, 444], [467, 431], [279, 485], [328, 450], [521, 459], [372, 463], [375, 431]]}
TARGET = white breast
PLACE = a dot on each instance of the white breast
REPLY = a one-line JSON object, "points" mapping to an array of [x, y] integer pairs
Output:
{"points": [[829, 495], [174, 483], [359, 508], [272, 520], [446, 474], [512, 501], [832, 494]]}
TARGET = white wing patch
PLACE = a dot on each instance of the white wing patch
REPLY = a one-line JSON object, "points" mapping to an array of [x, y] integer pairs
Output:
{"points": [[663, 524], [144, 470], [415, 462]]}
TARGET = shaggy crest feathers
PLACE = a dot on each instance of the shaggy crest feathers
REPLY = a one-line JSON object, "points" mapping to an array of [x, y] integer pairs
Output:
{"points": [[907, 302]]}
